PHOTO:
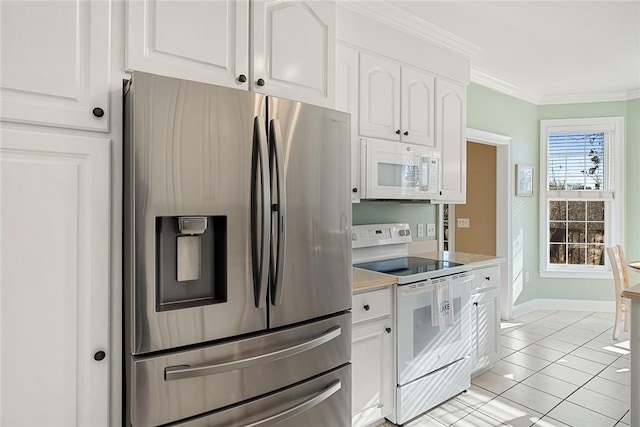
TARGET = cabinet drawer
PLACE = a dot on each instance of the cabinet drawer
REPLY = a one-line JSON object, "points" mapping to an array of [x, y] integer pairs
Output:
{"points": [[372, 304], [486, 277]]}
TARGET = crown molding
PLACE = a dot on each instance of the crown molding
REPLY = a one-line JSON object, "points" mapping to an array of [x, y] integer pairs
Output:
{"points": [[487, 80], [401, 20], [633, 94], [589, 97]]}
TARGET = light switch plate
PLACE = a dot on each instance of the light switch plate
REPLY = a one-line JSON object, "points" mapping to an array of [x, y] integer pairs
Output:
{"points": [[420, 230], [463, 223], [431, 230]]}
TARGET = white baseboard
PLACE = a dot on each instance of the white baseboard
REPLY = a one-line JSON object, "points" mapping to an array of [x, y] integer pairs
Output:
{"points": [[562, 304]]}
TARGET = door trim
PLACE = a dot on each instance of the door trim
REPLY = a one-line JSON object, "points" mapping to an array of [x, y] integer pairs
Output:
{"points": [[504, 192]]}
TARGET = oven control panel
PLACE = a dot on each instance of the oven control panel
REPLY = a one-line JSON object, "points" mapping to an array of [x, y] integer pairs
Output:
{"points": [[363, 236]]}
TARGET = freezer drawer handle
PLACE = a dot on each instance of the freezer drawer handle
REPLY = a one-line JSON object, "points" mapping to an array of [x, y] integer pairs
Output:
{"points": [[186, 371], [298, 409]]}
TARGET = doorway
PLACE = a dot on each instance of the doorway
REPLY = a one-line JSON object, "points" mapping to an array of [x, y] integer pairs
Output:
{"points": [[501, 229], [475, 221]]}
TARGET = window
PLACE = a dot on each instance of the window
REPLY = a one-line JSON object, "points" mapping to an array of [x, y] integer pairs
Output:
{"points": [[581, 187]]}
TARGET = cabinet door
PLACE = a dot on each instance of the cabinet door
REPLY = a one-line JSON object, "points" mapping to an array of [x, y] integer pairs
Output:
{"points": [[417, 112], [347, 100], [55, 63], [371, 371], [379, 98], [294, 50], [55, 279], [486, 329], [205, 41], [451, 124]]}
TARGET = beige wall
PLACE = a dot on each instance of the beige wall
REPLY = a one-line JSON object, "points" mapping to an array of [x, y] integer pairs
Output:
{"points": [[480, 237]]}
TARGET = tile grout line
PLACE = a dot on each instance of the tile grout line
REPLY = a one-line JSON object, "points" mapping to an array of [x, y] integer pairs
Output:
{"points": [[565, 354]]}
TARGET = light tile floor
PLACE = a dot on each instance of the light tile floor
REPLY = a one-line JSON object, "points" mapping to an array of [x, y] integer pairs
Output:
{"points": [[557, 368]]}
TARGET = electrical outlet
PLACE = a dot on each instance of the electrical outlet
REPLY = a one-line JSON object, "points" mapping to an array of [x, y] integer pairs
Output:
{"points": [[431, 230], [420, 230], [463, 223]]}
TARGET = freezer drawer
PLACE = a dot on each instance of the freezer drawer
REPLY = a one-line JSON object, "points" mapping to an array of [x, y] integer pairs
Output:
{"points": [[323, 401], [183, 384]]}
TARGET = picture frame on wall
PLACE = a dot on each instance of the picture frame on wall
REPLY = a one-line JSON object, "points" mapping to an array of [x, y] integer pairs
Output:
{"points": [[524, 180]]}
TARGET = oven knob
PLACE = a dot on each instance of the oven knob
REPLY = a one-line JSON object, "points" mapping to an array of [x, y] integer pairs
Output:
{"points": [[366, 307]]}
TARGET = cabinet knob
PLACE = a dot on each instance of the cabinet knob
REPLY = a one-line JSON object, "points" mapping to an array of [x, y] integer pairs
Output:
{"points": [[98, 112], [388, 330], [398, 131], [441, 193], [242, 78], [406, 132], [354, 190], [260, 82], [366, 307], [100, 355], [487, 278], [475, 303]]}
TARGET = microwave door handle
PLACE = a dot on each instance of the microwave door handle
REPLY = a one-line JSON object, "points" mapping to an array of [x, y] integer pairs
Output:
{"points": [[280, 209], [260, 244], [314, 400]]}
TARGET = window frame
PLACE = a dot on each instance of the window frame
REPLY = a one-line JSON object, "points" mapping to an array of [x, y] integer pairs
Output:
{"points": [[614, 205]]}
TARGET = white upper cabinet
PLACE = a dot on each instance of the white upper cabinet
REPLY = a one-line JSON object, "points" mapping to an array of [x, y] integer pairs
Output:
{"points": [[55, 63], [347, 100], [379, 97], [291, 53], [451, 123], [206, 41], [417, 112], [55, 229], [396, 102], [294, 49]]}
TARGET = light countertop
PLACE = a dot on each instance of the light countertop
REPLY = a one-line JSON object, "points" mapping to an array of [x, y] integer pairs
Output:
{"points": [[632, 293], [364, 279]]}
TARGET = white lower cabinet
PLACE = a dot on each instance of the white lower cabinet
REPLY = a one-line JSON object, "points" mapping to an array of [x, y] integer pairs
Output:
{"points": [[371, 357], [486, 329], [54, 305]]}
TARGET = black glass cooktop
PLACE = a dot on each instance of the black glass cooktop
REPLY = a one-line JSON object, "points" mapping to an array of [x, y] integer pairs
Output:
{"points": [[406, 266]]}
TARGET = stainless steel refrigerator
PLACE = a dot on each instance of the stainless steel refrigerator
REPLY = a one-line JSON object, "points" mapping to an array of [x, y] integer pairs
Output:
{"points": [[237, 258]]}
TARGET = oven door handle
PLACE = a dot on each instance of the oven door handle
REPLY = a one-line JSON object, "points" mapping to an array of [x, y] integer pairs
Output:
{"points": [[431, 287], [416, 291]]}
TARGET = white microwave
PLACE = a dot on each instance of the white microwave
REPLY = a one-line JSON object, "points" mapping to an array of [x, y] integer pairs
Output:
{"points": [[394, 170]]}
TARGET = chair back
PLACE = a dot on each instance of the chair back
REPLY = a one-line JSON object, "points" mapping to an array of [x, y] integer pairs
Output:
{"points": [[619, 267]]}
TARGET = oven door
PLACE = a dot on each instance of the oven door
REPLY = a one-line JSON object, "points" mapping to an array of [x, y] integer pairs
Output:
{"points": [[422, 346]]}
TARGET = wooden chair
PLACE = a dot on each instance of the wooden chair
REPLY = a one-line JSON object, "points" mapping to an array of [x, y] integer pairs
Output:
{"points": [[621, 280]]}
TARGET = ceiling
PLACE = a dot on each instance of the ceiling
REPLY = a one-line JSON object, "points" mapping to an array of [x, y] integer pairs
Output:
{"points": [[545, 52]]}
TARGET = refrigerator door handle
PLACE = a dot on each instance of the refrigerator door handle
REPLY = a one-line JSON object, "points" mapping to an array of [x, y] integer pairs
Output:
{"points": [[314, 400], [260, 246], [280, 208], [186, 371]]}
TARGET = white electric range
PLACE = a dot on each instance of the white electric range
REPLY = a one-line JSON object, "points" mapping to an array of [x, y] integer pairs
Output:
{"points": [[432, 362]]}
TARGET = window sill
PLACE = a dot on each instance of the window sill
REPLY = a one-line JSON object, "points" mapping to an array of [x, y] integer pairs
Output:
{"points": [[573, 274]]}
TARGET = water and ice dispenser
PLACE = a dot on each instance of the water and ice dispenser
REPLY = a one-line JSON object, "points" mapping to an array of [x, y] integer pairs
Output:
{"points": [[191, 261]]}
